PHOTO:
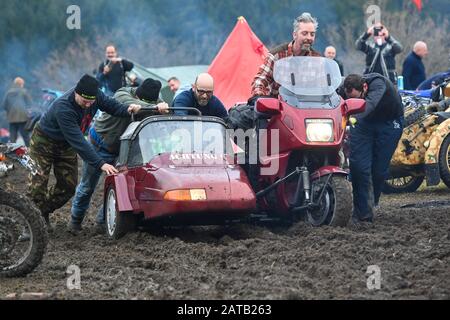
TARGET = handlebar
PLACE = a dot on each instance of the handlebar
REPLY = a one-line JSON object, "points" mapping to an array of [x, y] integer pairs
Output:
{"points": [[153, 109]]}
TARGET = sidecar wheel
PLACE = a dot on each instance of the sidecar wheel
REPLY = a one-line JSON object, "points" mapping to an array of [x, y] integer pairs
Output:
{"points": [[402, 185], [118, 223]]}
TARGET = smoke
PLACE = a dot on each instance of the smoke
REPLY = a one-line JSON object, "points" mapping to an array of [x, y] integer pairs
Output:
{"points": [[154, 33]]}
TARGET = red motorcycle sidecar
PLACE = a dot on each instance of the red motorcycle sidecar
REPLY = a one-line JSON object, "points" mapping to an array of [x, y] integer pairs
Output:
{"points": [[175, 170]]}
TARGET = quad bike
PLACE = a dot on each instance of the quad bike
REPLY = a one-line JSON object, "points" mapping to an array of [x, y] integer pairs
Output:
{"points": [[23, 233], [424, 148], [308, 123]]}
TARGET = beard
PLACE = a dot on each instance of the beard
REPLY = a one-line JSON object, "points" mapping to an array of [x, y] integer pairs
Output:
{"points": [[202, 102], [306, 46]]}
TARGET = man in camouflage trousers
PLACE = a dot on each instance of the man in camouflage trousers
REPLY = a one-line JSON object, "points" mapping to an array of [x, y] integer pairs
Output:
{"points": [[47, 153], [58, 138], [104, 136]]}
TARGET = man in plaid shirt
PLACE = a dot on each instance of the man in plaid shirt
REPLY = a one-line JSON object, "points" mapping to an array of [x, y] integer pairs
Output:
{"points": [[305, 27]]}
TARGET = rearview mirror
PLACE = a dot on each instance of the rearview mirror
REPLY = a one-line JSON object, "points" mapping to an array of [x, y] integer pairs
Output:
{"points": [[355, 106], [268, 106]]}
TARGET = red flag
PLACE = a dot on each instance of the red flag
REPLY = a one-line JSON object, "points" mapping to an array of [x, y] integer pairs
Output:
{"points": [[418, 4], [236, 64]]}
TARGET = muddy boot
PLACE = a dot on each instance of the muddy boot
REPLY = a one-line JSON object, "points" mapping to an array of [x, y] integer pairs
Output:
{"points": [[46, 217], [100, 228], [74, 227]]}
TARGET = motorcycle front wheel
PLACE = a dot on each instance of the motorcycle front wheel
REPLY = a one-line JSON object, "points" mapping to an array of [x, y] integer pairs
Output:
{"points": [[23, 235], [335, 208]]}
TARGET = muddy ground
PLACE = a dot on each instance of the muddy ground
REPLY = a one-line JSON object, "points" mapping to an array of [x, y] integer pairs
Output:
{"points": [[410, 246]]}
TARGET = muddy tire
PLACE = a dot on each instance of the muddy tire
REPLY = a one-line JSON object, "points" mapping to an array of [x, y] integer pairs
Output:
{"points": [[444, 161], [415, 116], [402, 185], [18, 207], [336, 207], [118, 223]]}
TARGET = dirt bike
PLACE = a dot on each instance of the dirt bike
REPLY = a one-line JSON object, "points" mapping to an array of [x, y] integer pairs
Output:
{"points": [[23, 233], [308, 122]]}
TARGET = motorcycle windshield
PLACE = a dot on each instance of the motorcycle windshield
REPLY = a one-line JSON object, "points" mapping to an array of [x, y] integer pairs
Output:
{"points": [[308, 76], [180, 137]]}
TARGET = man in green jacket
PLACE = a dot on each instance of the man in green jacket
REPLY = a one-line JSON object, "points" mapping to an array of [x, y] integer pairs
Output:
{"points": [[104, 136]]}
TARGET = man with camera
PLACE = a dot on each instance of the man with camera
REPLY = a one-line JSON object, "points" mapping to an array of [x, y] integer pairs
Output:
{"points": [[111, 73], [381, 52]]}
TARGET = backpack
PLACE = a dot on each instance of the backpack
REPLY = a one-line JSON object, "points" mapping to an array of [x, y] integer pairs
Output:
{"points": [[242, 116]]}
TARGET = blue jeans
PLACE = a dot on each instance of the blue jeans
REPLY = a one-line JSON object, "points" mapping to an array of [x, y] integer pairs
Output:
{"points": [[88, 183], [372, 145]]}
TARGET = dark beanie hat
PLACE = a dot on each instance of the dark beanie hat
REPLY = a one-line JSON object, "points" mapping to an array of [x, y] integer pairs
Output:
{"points": [[87, 87], [149, 90]]}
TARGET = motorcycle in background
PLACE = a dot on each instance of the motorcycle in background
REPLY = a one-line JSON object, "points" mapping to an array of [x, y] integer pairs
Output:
{"points": [[23, 232]]}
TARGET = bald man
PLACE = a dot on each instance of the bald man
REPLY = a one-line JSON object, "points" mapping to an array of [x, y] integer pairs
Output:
{"points": [[413, 68], [201, 97], [330, 53], [16, 104]]}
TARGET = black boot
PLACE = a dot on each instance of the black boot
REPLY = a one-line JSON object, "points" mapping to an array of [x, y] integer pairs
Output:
{"points": [[46, 216]]}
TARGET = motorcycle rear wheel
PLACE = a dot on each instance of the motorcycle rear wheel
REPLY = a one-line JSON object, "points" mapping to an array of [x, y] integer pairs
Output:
{"points": [[15, 208], [402, 185]]}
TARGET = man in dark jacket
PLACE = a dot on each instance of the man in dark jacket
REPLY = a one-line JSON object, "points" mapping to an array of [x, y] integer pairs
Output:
{"points": [[202, 98], [16, 102], [104, 137], [330, 53], [111, 73], [58, 137], [413, 67], [374, 137], [380, 53]]}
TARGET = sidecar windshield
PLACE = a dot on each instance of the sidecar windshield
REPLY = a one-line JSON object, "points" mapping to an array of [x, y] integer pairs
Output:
{"points": [[308, 76]]}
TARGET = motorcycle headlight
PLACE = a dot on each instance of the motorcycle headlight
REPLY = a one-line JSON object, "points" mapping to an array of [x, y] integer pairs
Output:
{"points": [[319, 130]]}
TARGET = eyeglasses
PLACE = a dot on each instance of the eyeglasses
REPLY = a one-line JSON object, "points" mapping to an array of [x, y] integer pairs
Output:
{"points": [[203, 92]]}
